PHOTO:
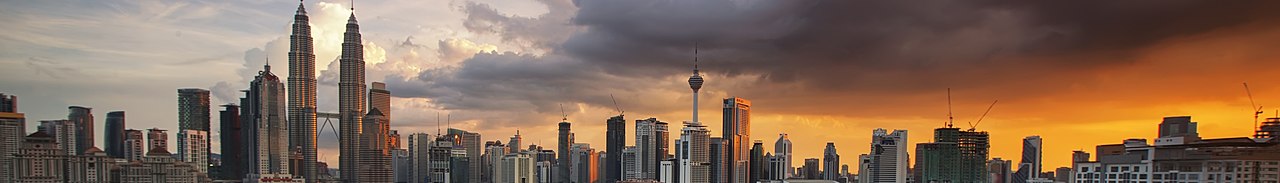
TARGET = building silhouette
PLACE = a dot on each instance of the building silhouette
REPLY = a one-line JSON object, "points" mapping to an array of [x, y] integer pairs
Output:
{"points": [[113, 134], [82, 118], [737, 134], [231, 141], [831, 162], [615, 142]]}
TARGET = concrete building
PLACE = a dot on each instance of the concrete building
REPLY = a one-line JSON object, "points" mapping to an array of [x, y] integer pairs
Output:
{"points": [[264, 113], [1000, 170], [13, 128], [82, 117], [375, 158], [420, 156], [64, 132], [302, 93], [1030, 166], [492, 165], [191, 149], [719, 163], [231, 141], [39, 160], [737, 134], [513, 144], [584, 161], [630, 165], [647, 147], [193, 114], [811, 170], [134, 142], [954, 156], [864, 168], [615, 142], [758, 163], [831, 162], [471, 143], [518, 168], [157, 139], [1180, 155], [694, 153], [113, 134], [781, 168], [93, 166], [889, 159], [564, 140], [159, 166]]}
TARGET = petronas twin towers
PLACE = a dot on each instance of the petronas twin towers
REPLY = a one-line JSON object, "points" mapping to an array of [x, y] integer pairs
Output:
{"points": [[302, 97]]}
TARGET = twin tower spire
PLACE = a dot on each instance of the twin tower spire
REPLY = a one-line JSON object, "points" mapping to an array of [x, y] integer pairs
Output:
{"points": [[302, 96]]}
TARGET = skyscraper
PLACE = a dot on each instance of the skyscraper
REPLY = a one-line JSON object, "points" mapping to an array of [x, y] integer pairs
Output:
{"points": [[757, 162], [264, 113], [351, 99], [231, 140], [889, 156], [193, 109], [191, 149], [1032, 154], [615, 141], [737, 133], [1000, 170], [13, 127], [630, 166], [810, 169], [782, 155], [954, 155], [469, 142], [114, 134], [694, 153], [647, 157], [562, 161], [582, 157], [302, 93], [420, 155], [134, 145], [513, 144], [719, 163], [375, 157], [662, 148], [82, 117], [831, 162]]}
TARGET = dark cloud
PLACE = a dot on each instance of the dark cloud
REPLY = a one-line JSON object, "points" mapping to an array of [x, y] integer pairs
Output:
{"points": [[812, 52]]}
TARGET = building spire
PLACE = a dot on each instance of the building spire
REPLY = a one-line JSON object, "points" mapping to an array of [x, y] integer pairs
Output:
{"points": [[695, 58], [267, 66]]}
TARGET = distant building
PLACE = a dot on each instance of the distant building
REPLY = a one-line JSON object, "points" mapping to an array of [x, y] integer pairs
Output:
{"points": [[1032, 155], [737, 133], [518, 168], [470, 142], [191, 149], [1180, 155], [630, 167], [1000, 170], [420, 155], [781, 163], [758, 162], [39, 160], [159, 166], [719, 163], [82, 117], [954, 156], [65, 134], [8, 103], [647, 144], [266, 132], [615, 142], [135, 148], [157, 139], [585, 161], [93, 166], [564, 140], [694, 152], [811, 169], [888, 156], [831, 163], [114, 134], [193, 114], [231, 140], [13, 129], [375, 158]]}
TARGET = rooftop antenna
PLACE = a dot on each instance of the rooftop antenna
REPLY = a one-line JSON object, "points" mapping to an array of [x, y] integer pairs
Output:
{"points": [[564, 116], [695, 57], [437, 123], [616, 106], [1256, 111], [950, 119], [448, 120], [973, 126]]}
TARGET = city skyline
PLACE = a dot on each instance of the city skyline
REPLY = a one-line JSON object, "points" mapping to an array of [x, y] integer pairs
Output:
{"points": [[1119, 97]]}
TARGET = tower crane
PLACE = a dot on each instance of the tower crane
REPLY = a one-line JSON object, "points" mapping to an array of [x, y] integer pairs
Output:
{"points": [[1257, 109], [616, 106], [974, 125]]}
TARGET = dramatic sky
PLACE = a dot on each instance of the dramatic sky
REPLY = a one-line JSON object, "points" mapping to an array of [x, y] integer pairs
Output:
{"points": [[1077, 73]]}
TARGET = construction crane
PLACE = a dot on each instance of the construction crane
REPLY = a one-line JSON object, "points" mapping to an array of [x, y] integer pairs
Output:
{"points": [[974, 125], [950, 119], [563, 116], [1256, 111], [616, 106]]}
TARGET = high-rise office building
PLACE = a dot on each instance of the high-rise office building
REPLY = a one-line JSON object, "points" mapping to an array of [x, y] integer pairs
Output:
{"points": [[113, 134], [470, 143], [562, 161], [864, 168], [737, 133], [231, 141], [64, 133], [1032, 154], [135, 148], [420, 155], [302, 93], [889, 160], [13, 127], [757, 162], [191, 149], [517, 168], [264, 113], [647, 155], [719, 163], [831, 162], [82, 117], [380, 98], [615, 141], [630, 165], [584, 162], [694, 153], [193, 113], [375, 158], [782, 169], [492, 165], [662, 143], [351, 99], [157, 139]]}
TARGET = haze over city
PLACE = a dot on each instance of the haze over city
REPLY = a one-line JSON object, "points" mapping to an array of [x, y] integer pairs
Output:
{"points": [[1075, 73]]}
